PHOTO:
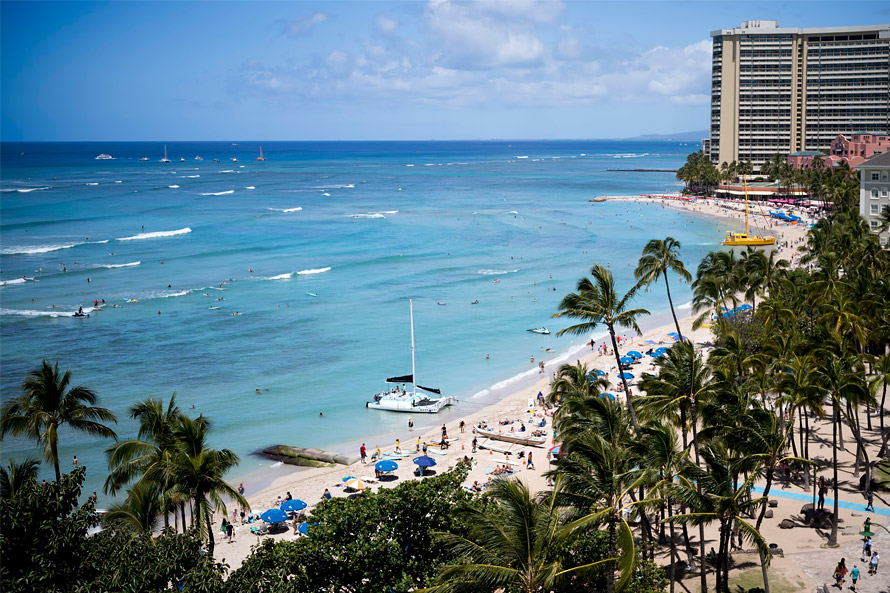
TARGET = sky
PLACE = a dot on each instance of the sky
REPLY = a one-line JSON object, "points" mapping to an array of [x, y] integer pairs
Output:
{"points": [[371, 70]]}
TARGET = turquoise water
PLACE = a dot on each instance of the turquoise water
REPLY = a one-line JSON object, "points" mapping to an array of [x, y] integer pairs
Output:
{"points": [[364, 226]]}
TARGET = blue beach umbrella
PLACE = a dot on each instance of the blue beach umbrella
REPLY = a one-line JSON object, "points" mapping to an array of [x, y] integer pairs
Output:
{"points": [[634, 354], [657, 354], [626, 360], [743, 307], [662, 350], [303, 528], [293, 505], [674, 335], [599, 373], [425, 461], [274, 516], [386, 466], [611, 397], [653, 342], [627, 376], [347, 478]]}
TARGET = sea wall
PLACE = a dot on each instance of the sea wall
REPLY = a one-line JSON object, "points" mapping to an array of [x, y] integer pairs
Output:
{"points": [[307, 457]]}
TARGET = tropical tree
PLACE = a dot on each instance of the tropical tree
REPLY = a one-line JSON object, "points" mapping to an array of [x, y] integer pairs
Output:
{"points": [[47, 403], [880, 381], [199, 471], [148, 457], [574, 381], [510, 545], [658, 257], [139, 512], [18, 476], [596, 302], [723, 500]]}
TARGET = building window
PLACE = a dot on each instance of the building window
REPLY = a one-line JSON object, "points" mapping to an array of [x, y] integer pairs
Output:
{"points": [[875, 176], [874, 194], [874, 224], [875, 209]]}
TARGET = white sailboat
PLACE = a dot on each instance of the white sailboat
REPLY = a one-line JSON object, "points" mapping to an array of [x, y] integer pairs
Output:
{"points": [[409, 400], [165, 159]]}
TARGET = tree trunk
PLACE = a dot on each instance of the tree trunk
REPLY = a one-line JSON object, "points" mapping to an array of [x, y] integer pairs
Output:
{"points": [[763, 559], [613, 553], [832, 540], [769, 482], [630, 406], [54, 448], [182, 512], [674, 556], [883, 401], [857, 434], [671, 303], [701, 528]]}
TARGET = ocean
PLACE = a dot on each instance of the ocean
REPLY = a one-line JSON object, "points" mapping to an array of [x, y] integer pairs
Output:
{"points": [[265, 294]]}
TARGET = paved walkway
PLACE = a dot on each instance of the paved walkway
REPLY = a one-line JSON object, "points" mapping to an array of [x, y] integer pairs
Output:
{"points": [[829, 502]]}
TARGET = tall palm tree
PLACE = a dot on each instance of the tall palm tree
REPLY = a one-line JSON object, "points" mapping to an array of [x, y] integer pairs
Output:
{"points": [[48, 403], [598, 473], [574, 380], [149, 456], [139, 512], [596, 302], [17, 477], [838, 377], [880, 381], [199, 471], [509, 547], [658, 257], [720, 499]]}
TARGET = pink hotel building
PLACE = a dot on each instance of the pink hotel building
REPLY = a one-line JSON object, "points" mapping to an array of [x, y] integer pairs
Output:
{"points": [[855, 150]]}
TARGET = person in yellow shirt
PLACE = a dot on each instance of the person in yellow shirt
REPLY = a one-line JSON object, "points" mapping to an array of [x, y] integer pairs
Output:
{"points": [[398, 446]]}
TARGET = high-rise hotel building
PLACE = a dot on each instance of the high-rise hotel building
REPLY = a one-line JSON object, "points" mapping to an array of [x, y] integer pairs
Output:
{"points": [[783, 90]]}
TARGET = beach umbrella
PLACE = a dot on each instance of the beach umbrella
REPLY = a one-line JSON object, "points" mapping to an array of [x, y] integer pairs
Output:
{"points": [[386, 466], [674, 335], [626, 360], [634, 354], [611, 397], [293, 505], [662, 350], [598, 372], [355, 484], [557, 450], [657, 354], [347, 478], [626, 376], [303, 528], [743, 307], [425, 461], [274, 516], [652, 342]]}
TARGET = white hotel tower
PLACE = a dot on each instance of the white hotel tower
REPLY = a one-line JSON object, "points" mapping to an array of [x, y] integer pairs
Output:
{"points": [[783, 90]]}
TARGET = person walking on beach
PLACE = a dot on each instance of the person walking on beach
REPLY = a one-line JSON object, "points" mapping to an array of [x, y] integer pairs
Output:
{"points": [[840, 571], [363, 452], [866, 549], [873, 565], [417, 445], [870, 497], [398, 446], [529, 464], [854, 576], [410, 424], [822, 490], [462, 426]]}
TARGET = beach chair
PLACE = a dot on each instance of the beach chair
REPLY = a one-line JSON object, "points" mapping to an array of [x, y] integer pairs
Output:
{"points": [[488, 471], [260, 529]]}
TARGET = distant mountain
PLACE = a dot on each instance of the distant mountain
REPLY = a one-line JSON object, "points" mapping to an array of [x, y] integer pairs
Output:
{"points": [[695, 135]]}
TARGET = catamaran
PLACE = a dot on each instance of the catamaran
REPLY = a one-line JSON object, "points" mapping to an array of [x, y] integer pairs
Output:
{"points": [[409, 400], [165, 159], [744, 239], [261, 157]]}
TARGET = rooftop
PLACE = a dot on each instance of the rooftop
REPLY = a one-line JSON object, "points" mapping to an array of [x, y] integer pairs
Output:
{"points": [[772, 27], [878, 161], [808, 153]]}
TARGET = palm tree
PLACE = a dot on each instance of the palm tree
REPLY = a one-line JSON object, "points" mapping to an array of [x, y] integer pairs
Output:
{"points": [[595, 303], [838, 378], [18, 477], [147, 457], [199, 470], [574, 380], [598, 474], [139, 512], [48, 403], [658, 257], [723, 500], [509, 547], [881, 380]]}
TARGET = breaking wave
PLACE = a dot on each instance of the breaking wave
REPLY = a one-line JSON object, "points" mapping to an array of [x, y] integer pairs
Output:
{"points": [[156, 234], [315, 271]]}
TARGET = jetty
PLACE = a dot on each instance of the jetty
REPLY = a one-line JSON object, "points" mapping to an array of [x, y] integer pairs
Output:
{"points": [[307, 457]]}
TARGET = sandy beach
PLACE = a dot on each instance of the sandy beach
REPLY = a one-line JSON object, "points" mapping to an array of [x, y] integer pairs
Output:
{"points": [[805, 562]]}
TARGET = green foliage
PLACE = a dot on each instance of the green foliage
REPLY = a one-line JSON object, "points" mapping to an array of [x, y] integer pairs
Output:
{"points": [[592, 547], [374, 543], [44, 547]]}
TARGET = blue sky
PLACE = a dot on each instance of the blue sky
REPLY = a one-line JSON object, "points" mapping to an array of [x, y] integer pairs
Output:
{"points": [[340, 70]]}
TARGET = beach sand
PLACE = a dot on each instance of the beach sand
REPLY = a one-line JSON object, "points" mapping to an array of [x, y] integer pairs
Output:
{"points": [[806, 562]]}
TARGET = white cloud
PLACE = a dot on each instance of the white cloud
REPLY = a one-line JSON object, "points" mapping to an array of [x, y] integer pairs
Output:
{"points": [[470, 53], [304, 24], [386, 25]]}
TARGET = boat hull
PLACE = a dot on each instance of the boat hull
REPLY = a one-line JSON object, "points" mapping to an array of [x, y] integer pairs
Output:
{"points": [[410, 405], [512, 437], [746, 241]]}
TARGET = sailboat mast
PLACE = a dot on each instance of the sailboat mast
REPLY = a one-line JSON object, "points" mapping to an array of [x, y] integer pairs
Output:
{"points": [[745, 178], [413, 370]]}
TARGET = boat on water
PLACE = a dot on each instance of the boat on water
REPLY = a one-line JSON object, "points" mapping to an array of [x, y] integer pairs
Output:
{"points": [[519, 438], [745, 239], [410, 400], [540, 330], [104, 157], [234, 160], [199, 158], [165, 159], [181, 159], [261, 157], [143, 159]]}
